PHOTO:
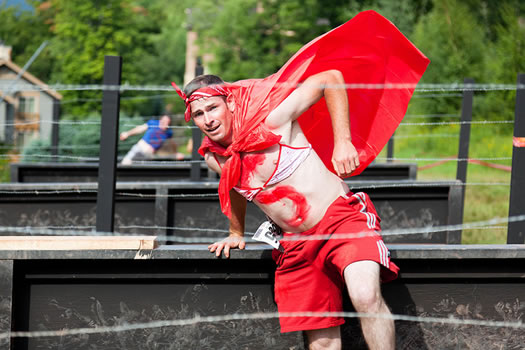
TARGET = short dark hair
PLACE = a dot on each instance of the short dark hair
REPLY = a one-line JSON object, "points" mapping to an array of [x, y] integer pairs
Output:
{"points": [[201, 81]]}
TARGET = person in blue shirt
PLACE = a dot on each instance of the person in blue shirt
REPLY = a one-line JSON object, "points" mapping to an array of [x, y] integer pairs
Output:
{"points": [[156, 132]]}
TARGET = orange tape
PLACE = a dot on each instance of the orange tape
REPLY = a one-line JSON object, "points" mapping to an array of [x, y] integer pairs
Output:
{"points": [[518, 141]]}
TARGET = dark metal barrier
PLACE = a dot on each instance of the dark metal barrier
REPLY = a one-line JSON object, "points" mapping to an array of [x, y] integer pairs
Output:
{"points": [[173, 171], [54, 290], [169, 208]]}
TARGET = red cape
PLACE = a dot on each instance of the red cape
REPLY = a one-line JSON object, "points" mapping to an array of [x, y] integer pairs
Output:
{"points": [[368, 49]]}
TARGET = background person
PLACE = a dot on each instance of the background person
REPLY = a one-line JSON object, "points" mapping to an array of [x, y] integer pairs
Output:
{"points": [[156, 132]]}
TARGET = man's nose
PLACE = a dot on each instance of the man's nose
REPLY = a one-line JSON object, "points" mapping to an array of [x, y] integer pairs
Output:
{"points": [[208, 119]]}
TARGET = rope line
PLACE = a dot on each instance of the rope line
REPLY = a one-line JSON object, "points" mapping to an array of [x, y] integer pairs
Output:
{"points": [[205, 195], [258, 316], [482, 122], [422, 87], [298, 237], [203, 161]]}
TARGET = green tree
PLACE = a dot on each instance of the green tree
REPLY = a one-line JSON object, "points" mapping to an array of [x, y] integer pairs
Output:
{"points": [[86, 31], [254, 38], [25, 31], [455, 43], [505, 61]]}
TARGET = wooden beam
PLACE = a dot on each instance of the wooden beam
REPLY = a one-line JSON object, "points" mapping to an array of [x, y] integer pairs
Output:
{"points": [[77, 242]]}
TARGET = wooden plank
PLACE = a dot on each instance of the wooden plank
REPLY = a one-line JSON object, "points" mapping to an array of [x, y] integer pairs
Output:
{"points": [[77, 242]]}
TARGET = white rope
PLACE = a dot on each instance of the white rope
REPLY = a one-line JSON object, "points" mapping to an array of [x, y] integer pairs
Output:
{"points": [[298, 237], [349, 86], [205, 195], [480, 122], [6, 156], [143, 97], [259, 316], [408, 136], [432, 116], [438, 159], [419, 95]]}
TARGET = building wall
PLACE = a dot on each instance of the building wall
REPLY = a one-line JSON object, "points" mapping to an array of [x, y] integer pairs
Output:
{"points": [[3, 120], [46, 115], [43, 108]]}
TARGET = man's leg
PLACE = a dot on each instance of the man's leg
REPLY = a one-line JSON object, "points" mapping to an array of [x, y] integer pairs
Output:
{"points": [[327, 338], [362, 281]]}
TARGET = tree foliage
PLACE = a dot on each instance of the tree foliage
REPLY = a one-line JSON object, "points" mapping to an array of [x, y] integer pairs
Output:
{"points": [[482, 39]]}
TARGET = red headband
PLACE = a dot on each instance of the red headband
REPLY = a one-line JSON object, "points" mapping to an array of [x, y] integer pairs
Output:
{"points": [[207, 91]]}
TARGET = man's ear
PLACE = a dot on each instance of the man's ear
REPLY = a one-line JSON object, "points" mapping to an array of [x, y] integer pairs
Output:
{"points": [[230, 102]]}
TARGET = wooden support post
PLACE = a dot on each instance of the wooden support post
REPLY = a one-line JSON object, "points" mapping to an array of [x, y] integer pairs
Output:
{"points": [[162, 212], [464, 141], [195, 174], [6, 297], [516, 230], [390, 150], [108, 145], [55, 130]]}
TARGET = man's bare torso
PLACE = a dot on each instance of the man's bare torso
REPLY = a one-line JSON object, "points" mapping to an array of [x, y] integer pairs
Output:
{"points": [[298, 202]]}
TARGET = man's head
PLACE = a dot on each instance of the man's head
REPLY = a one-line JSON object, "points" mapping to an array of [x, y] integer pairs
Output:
{"points": [[164, 122], [212, 113]]}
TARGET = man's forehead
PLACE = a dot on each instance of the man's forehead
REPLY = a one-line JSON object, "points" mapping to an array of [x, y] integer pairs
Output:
{"points": [[205, 101]]}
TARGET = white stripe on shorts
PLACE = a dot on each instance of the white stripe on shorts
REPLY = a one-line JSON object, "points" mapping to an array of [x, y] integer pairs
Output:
{"points": [[370, 218], [383, 253]]}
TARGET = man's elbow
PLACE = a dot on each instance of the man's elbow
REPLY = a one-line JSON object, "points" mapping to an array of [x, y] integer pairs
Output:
{"points": [[334, 76]]}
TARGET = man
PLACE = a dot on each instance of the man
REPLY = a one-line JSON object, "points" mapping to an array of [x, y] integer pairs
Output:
{"points": [[255, 140], [156, 132]]}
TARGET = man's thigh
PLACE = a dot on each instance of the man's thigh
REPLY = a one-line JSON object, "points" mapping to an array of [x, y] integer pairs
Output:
{"points": [[364, 271]]}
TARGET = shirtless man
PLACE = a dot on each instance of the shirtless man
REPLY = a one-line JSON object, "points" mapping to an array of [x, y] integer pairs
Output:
{"points": [[291, 185]]}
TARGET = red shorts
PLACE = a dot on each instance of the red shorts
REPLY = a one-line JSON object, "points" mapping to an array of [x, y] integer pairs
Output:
{"points": [[309, 275]]}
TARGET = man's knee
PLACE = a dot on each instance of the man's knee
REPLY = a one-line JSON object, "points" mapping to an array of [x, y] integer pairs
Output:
{"points": [[362, 281], [328, 338], [366, 298]]}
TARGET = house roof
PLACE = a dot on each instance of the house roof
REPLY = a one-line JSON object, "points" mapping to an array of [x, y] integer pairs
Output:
{"points": [[31, 78], [7, 98]]}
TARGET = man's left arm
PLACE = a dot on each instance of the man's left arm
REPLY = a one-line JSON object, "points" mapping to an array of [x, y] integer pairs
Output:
{"points": [[330, 85]]}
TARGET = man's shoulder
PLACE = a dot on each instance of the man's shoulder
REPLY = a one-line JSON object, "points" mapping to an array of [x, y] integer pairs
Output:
{"points": [[152, 122]]}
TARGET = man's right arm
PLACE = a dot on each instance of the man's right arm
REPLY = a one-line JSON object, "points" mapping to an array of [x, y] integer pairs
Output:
{"points": [[236, 237], [140, 129]]}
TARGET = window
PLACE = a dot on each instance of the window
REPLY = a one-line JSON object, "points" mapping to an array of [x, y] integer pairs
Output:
{"points": [[26, 105]]}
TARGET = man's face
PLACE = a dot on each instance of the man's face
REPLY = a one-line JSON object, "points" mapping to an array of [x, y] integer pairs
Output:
{"points": [[213, 115], [164, 122]]}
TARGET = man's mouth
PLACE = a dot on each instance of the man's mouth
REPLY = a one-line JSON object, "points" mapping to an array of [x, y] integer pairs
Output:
{"points": [[213, 129]]}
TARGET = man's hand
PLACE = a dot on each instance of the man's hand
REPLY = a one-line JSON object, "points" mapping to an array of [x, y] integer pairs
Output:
{"points": [[345, 158], [124, 135], [231, 242]]}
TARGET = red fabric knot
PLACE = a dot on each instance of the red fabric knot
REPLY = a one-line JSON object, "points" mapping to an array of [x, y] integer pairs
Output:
{"points": [[207, 91]]}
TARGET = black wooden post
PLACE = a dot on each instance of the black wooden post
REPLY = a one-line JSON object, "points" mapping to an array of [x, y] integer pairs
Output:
{"points": [[464, 141], [195, 174], [516, 230], [108, 145], [390, 150], [55, 130]]}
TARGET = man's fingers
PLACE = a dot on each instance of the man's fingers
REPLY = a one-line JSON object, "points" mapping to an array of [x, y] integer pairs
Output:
{"points": [[227, 250], [220, 247], [242, 244]]}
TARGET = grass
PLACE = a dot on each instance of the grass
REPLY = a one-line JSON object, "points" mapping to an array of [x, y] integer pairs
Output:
{"points": [[487, 196], [482, 202]]}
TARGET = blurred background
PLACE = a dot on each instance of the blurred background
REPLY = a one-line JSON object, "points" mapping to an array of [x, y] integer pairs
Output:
{"points": [[166, 40]]}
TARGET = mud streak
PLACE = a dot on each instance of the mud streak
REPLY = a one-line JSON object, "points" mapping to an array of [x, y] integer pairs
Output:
{"points": [[249, 163], [281, 192]]}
